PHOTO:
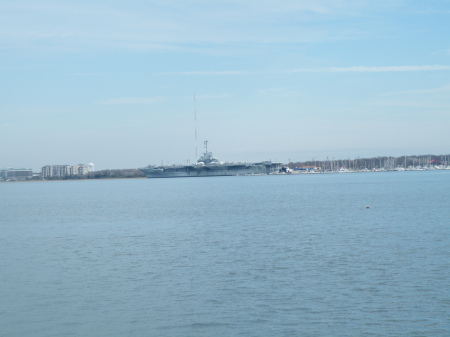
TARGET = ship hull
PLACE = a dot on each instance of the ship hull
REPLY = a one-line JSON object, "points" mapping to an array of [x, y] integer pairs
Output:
{"points": [[210, 170]]}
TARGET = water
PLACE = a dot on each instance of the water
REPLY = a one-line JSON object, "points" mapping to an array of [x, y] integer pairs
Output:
{"points": [[227, 256]]}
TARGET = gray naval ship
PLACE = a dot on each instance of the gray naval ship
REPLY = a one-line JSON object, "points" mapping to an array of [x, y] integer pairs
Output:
{"points": [[208, 166]]}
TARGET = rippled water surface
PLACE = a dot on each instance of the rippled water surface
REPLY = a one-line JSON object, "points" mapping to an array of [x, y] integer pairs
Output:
{"points": [[227, 256]]}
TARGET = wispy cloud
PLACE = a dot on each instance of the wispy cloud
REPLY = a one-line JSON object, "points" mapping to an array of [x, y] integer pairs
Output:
{"points": [[365, 69], [442, 89], [424, 107], [84, 74], [157, 25], [210, 73], [424, 100], [131, 100], [209, 96], [280, 92], [353, 69]]}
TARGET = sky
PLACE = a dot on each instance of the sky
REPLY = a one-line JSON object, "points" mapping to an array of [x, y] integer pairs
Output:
{"points": [[125, 84]]}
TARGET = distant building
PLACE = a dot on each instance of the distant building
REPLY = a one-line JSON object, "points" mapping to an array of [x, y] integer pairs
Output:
{"points": [[50, 171], [9, 173]]}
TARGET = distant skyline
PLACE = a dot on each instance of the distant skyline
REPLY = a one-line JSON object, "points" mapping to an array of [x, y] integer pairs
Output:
{"points": [[113, 82]]}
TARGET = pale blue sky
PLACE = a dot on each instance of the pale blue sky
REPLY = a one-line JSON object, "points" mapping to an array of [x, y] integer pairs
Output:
{"points": [[113, 82]]}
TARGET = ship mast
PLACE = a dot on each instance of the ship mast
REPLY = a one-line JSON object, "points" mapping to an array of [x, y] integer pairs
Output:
{"points": [[195, 127]]}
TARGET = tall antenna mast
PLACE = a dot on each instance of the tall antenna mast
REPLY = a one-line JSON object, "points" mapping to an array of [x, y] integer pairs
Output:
{"points": [[195, 127]]}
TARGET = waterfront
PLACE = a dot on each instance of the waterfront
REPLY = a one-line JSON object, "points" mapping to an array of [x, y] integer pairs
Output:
{"points": [[282, 255]]}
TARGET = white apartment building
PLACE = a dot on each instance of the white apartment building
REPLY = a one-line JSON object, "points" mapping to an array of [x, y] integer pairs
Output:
{"points": [[49, 171]]}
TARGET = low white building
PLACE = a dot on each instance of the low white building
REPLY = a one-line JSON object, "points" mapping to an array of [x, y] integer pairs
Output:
{"points": [[9, 173]]}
